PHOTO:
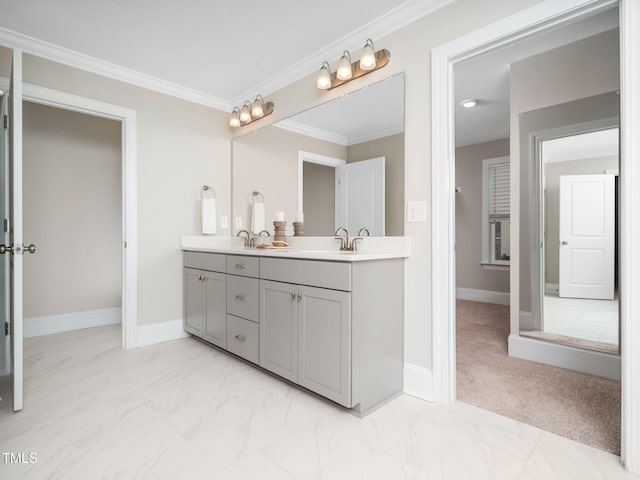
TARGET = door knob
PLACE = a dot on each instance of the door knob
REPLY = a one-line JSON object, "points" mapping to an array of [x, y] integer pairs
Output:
{"points": [[4, 249], [31, 248], [564, 242]]}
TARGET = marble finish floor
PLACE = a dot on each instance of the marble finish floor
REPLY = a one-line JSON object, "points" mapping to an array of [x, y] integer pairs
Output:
{"points": [[587, 319], [184, 410]]}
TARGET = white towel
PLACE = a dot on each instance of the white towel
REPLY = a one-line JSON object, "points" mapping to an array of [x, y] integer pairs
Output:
{"points": [[208, 213], [257, 216]]}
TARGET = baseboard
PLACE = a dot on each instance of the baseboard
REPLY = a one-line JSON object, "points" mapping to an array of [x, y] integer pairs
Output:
{"points": [[551, 288], [564, 356], [160, 332], [485, 296], [526, 321], [36, 326], [418, 381]]}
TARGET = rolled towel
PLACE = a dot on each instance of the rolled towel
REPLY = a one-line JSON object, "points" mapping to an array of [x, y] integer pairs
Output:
{"points": [[208, 214]]}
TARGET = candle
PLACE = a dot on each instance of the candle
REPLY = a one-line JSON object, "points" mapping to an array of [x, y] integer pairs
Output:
{"points": [[279, 216], [300, 217]]}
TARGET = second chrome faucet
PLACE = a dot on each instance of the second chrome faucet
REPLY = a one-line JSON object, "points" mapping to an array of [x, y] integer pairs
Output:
{"points": [[347, 244]]}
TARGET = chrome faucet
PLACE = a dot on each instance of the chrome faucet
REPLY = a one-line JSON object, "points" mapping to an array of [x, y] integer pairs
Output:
{"points": [[362, 230], [247, 238], [346, 244], [264, 231], [344, 241]]}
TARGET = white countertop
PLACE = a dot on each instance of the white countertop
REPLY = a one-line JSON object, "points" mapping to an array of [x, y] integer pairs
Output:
{"points": [[312, 248]]}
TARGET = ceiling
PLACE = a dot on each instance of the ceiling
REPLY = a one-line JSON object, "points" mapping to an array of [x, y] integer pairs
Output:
{"points": [[602, 143], [225, 52], [229, 50], [486, 77]]}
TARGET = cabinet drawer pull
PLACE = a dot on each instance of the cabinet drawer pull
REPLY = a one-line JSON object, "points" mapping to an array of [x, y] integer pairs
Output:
{"points": [[241, 338], [240, 266], [240, 297]]}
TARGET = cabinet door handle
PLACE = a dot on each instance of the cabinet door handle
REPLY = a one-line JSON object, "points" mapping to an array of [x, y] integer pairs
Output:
{"points": [[240, 297], [201, 278], [240, 266], [293, 296], [299, 296], [241, 338]]}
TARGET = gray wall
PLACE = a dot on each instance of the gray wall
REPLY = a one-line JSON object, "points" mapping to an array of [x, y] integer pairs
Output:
{"points": [[565, 86], [72, 211], [553, 171], [392, 148], [319, 199], [181, 147], [469, 271]]}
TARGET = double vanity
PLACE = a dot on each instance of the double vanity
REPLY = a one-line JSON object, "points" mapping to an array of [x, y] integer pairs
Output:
{"points": [[326, 320]]}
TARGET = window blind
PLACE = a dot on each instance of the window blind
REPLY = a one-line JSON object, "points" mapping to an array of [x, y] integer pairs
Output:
{"points": [[499, 201]]}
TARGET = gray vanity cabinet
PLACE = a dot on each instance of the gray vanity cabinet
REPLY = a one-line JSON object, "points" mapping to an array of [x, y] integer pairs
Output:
{"points": [[205, 305], [324, 342]]}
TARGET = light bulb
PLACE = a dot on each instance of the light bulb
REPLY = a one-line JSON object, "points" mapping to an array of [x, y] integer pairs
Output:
{"points": [[234, 121], [324, 77], [344, 67], [368, 57], [256, 107], [245, 112], [469, 103]]}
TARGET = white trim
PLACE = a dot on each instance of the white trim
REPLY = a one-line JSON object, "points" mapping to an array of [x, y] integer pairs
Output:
{"points": [[485, 296], [522, 24], [630, 231], [127, 117], [309, 131], [66, 322], [496, 266], [65, 56], [393, 20], [312, 158], [602, 364], [161, 332], [418, 381], [376, 134]]}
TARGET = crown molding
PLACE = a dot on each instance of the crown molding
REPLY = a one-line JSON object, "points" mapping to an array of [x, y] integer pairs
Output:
{"points": [[71, 58], [309, 131], [376, 134], [384, 25]]}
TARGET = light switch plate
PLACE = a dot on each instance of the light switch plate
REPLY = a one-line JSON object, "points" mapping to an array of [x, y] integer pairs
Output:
{"points": [[416, 212], [224, 222], [238, 222]]}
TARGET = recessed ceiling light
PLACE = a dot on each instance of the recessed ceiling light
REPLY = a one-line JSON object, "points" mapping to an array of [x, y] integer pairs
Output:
{"points": [[469, 102]]}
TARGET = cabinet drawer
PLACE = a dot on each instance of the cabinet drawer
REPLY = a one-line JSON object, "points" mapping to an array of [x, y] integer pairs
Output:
{"points": [[243, 265], [213, 262], [242, 338], [243, 297], [334, 275]]}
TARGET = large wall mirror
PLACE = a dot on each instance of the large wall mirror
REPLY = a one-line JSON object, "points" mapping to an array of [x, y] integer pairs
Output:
{"points": [[569, 209], [340, 163]]}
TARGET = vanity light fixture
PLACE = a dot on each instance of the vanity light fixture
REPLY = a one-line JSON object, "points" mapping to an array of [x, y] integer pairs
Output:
{"points": [[250, 112], [370, 61], [469, 102]]}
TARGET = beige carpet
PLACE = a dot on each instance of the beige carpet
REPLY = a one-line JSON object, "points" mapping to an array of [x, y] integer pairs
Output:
{"points": [[582, 407]]}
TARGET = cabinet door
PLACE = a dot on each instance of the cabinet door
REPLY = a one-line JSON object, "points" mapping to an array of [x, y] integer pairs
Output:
{"points": [[215, 308], [193, 301], [279, 328], [324, 343]]}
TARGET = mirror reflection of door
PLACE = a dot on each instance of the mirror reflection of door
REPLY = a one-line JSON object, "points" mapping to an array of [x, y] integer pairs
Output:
{"points": [[580, 247]]}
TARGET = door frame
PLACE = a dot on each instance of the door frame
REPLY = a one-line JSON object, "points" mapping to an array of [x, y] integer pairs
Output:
{"points": [[127, 119], [312, 158], [443, 295]]}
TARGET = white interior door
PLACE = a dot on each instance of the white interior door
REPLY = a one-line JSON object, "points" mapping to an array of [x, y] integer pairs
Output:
{"points": [[360, 196], [587, 236], [14, 247], [5, 349]]}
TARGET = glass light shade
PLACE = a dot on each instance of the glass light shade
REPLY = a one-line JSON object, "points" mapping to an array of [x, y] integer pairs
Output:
{"points": [[256, 107], [469, 103], [245, 113], [368, 57], [234, 121], [344, 71], [324, 77]]}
